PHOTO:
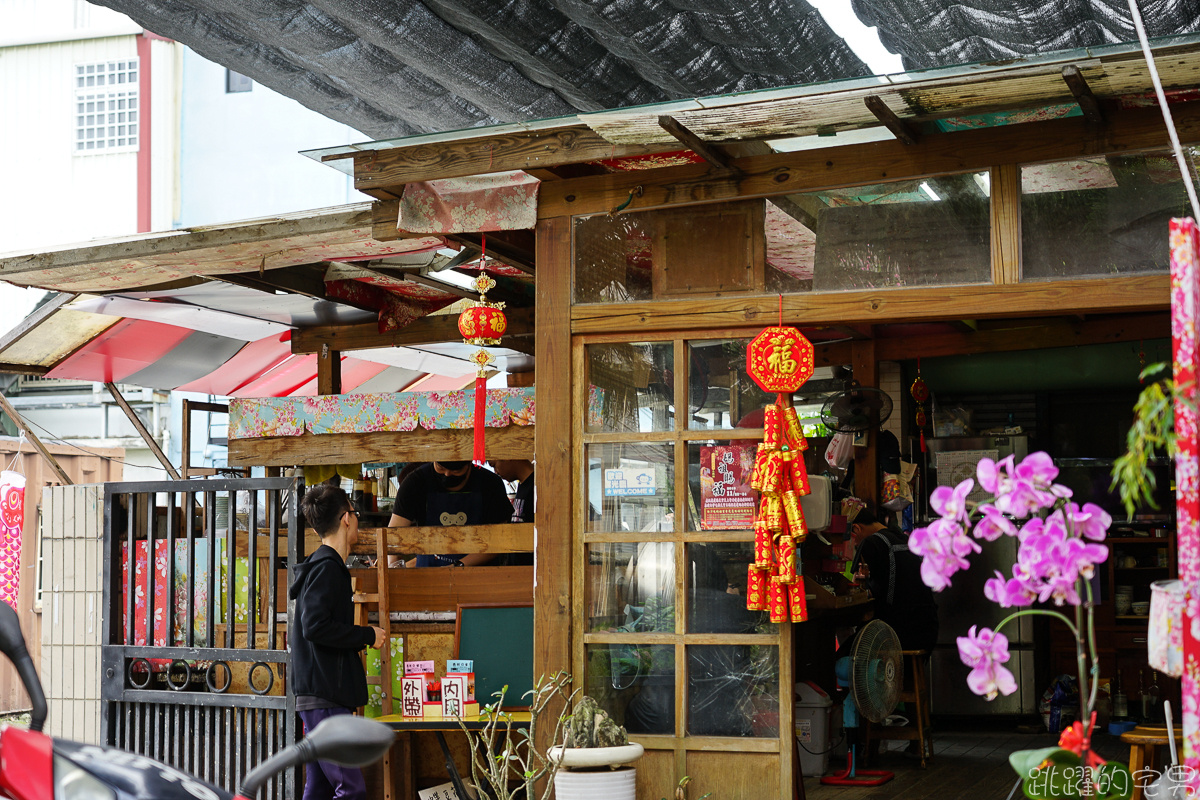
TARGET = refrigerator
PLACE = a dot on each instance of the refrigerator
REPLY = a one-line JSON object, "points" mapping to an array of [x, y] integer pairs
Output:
{"points": [[948, 461]]}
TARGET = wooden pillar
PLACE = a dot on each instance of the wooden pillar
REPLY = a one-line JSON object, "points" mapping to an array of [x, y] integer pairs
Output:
{"points": [[553, 522], [329, 371], [866, 372]]}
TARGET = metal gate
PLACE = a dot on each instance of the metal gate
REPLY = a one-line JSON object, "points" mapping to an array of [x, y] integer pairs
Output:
{"points": [[194, 660]]}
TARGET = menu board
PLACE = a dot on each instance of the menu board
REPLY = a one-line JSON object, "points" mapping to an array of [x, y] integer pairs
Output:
{"points": [[726, 500]]}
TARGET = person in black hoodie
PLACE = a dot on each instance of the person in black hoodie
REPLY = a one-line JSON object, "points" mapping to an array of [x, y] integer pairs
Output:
{"points": [[327, 674]]}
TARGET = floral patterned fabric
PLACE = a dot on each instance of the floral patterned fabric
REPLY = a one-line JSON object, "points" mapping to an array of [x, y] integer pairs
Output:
{"points": [[506, 201], [1185, 302], [374, 665], [254, 418], [178, 616]]}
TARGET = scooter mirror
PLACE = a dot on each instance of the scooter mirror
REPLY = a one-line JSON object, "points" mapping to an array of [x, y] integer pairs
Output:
{"points": [[350, 741], [12, 644], [346, 740]]}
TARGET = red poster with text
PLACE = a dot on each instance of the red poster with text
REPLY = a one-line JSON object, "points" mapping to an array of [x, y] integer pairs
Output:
{"points": [[727, 502]]}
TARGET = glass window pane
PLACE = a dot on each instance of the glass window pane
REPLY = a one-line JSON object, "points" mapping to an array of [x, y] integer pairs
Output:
{"points": [[733, 690], [631, 587], [930, 232], [1099, 216], [635, 684], [631, 387], [631, 487], [716, 590], [720, 393], [612, 258]]}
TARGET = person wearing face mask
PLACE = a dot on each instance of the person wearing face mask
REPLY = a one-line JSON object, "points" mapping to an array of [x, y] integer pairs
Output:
{"points": [[451, 493]]}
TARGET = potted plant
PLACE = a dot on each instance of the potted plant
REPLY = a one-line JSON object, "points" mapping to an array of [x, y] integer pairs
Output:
{"points": [[595, 756]]}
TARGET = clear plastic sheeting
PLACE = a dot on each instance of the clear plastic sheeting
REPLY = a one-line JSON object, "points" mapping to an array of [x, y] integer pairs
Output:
{"points": [[937, 33], [392, 69]]}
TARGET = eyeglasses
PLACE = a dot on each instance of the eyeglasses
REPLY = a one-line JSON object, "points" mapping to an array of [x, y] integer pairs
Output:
{"points": [[353, 511]]}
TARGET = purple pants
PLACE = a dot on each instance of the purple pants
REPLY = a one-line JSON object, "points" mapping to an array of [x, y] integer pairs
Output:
{"points": [[325, 780]]}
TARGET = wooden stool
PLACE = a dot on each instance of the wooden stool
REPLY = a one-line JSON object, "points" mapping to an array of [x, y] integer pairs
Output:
{"points": [[1143, 751], [915, 694]]}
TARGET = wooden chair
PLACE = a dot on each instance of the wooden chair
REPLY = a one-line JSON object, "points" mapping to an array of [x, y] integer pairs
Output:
{"points": [[1143, 751], [915, 695]]}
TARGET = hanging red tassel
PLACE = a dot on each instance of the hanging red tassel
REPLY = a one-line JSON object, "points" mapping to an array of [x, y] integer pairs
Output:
{"points": [[480, 413]]}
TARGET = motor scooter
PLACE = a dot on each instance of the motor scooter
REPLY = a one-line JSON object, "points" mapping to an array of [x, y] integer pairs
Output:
{"points": [[34, 766]]}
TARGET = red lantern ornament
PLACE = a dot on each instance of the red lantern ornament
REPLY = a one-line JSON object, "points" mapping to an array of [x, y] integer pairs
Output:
{"points": [[482, 324], [920, 393]]}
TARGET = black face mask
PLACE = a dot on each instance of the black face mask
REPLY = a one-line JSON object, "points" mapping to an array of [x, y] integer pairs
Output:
{"points": [[449, 481]]}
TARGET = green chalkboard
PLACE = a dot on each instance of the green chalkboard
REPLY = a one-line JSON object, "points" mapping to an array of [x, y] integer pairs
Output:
{"points": [[499, 639]]}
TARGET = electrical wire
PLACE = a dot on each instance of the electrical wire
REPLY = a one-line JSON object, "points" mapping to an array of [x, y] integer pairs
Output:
{"points": [[50, 437]]}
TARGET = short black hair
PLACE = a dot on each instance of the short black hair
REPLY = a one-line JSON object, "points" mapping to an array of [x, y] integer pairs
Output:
{"points": [[452, 465], [866, 516], [323, 506]]}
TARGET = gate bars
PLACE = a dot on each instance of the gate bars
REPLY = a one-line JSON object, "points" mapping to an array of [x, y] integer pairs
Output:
{"points": [[194, 660]]}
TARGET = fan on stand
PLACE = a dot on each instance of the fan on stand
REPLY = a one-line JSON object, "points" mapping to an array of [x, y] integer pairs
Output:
{"points": [[855, 409], [873, 674]]}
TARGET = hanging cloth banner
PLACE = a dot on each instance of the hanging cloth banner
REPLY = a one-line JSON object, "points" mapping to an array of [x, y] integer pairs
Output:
{"points": [[506, 201], [12, 517]]}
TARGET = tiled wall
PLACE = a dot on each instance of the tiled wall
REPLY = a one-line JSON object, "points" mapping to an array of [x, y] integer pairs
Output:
{"points": [[72, 564]]}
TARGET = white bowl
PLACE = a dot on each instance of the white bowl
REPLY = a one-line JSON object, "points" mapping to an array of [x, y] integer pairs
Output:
{"points": [[595, 756]]}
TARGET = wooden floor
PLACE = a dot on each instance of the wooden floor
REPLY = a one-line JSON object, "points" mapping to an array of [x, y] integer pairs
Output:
{"points": [[966, 764]]}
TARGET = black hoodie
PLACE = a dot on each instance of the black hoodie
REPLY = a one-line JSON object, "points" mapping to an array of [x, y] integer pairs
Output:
{"points": [[326, 641]]}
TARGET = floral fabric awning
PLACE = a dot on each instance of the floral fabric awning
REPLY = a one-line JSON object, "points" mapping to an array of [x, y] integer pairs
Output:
{"points": [[260, 417]]}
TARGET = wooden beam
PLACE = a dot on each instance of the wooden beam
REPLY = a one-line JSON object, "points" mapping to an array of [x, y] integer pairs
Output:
{"points": [[1053, 333], [329, 372], [415, 445], [1049, 298], [303, 279], [875, 162], [1005, 183], [141, 429], [554, 453], [691, 141], [385, 218], [34, 440], [386, 169], [34, 319], [793, 210], [433, 329], [416, 540], [1087, 101], [500, 249], [899, 128], [444, 589]]}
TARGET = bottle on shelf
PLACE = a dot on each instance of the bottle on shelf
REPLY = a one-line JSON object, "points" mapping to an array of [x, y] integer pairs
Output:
{"points": [[1155, 708], [1143, 697], [359, 494], [1120, 704]]}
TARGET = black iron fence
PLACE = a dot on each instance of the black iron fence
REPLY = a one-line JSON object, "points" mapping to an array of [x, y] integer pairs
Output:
{"points": [[194, 661]]}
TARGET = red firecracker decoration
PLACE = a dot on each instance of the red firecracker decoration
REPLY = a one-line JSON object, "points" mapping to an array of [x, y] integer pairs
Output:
{"points": [[482, 325], [920, 393], [779, 360]]}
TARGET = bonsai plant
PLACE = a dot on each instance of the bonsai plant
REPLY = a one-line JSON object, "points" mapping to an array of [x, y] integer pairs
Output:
{"points": [[594, 753]]}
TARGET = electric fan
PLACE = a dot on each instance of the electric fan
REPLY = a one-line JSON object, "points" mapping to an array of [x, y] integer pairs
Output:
{"points": [[855, 409], [873, 673]]}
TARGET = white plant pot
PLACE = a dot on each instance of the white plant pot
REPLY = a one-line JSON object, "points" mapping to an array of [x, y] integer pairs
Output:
{"points": [[587, 757], [614, 784]]}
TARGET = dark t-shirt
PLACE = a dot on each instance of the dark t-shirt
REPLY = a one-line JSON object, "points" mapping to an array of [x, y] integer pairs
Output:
{"points": [[902, 599], [422, 500]]}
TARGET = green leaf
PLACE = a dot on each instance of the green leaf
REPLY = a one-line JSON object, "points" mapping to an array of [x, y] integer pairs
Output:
{"points": [[1026, 761]]}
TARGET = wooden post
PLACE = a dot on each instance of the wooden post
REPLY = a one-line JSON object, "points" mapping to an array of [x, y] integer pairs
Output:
{"points": [[34, 440], [329, 371], [141, 429], [554, 529], [866, 372]]}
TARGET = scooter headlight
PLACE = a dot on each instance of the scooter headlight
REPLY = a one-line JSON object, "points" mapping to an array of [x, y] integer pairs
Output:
{"points": [[72, 782]]}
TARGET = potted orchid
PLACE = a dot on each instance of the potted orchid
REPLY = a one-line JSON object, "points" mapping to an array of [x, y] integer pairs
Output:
{"points": [[1060, 545]]}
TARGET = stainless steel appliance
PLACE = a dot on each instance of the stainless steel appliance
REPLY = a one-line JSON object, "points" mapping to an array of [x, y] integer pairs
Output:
{"points": [[963, 603]]}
